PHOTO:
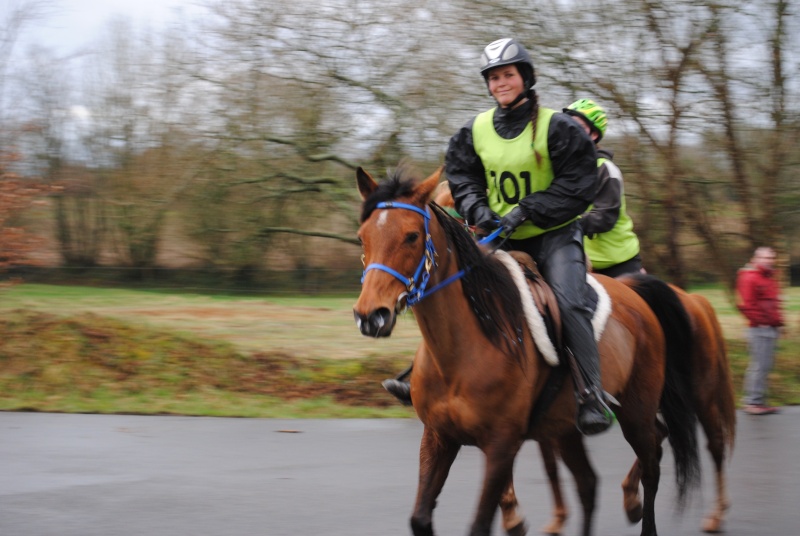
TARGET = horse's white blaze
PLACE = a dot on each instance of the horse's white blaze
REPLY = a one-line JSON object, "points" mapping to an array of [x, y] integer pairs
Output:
{"points": [[382, 218]]}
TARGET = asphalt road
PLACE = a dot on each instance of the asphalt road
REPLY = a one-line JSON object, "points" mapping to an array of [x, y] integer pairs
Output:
{"points": [[111, 475]]}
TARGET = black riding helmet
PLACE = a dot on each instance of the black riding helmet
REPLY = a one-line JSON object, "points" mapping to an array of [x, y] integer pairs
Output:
{"points": [[507, 52]]}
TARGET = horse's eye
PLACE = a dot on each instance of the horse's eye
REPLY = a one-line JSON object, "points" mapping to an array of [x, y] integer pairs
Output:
{"points": [[411, 237]]}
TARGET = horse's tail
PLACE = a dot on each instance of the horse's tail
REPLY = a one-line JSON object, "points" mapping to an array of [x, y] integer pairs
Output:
{"points": [[677, 401], [723, 392]]}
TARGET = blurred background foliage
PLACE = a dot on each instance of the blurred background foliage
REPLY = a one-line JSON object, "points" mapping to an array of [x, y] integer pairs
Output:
{"points": [[226, 143]]}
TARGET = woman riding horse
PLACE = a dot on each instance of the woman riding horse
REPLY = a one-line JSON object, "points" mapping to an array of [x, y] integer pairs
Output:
{"points": [[533, 172], [480, 377]]}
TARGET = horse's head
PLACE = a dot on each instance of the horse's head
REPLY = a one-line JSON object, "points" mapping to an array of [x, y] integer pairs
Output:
{"points": [[397, 250]]}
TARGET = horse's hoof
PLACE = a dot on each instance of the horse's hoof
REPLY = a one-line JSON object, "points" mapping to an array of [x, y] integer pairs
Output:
{"points": [[553, 528], [634, 512], [421, 529], [520, 530], [712, 524]]}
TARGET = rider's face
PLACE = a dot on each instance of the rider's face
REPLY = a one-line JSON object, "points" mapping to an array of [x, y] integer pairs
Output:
{"points": [[505, 84]]}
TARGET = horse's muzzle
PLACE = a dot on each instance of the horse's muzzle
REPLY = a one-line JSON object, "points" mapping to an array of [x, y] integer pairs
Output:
{"points": [[378, 323]]}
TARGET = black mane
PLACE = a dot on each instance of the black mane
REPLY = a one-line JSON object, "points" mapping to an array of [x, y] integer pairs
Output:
{"points": [[399, 184], [488, 287]]}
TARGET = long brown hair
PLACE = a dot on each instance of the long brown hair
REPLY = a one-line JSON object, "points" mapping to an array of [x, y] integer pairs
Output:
{"points": [[534, 98]]}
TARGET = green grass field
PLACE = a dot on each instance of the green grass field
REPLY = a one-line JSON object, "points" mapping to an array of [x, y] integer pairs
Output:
{"points": [[99, 350]]}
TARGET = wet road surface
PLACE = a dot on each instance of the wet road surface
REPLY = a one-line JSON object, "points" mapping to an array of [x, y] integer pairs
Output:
{"points": [[115, 475]]}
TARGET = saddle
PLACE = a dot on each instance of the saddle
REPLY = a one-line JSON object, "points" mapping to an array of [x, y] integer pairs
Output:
{"points": [[546, 328], [543, 297]]}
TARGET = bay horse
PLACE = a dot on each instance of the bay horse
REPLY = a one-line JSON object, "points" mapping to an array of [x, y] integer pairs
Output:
{"points": [[715, 403], [478, 372]]}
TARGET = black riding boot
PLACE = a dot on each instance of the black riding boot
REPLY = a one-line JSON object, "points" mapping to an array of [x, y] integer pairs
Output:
{"points": [[559, 254], [594, 415], [400, 387]]}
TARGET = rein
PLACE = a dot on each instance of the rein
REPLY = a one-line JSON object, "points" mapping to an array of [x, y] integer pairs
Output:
{"points": [[416, 285]]}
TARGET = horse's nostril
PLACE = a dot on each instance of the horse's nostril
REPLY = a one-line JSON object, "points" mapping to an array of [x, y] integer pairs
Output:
{"points": [[378, 323]]}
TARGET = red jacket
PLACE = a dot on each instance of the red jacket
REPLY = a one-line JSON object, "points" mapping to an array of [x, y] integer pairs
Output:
{"points": [[759, 297]]}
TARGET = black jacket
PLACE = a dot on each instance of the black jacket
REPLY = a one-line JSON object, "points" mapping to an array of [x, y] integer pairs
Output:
{"points": [[607, 202], [572, 154]]}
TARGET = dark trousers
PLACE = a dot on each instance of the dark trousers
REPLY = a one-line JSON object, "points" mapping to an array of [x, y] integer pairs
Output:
{"points": [[560, 258]]}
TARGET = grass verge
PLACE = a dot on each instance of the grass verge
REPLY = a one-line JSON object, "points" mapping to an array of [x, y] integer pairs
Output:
{"points": [[90, 364], [67, 350]]}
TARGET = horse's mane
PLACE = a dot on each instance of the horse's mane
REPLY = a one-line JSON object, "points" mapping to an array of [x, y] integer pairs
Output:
{"points": [[488, 287]]}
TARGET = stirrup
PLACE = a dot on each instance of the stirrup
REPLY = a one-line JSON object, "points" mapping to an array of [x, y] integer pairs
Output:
{"points": [[594, 415]]}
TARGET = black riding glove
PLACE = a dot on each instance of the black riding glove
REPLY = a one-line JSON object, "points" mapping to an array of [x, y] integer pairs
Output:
{"points": [[485, 219], [512, 220]]}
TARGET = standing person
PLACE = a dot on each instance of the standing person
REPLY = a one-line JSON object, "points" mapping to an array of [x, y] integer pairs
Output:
{"points": [[759, 302], [609, 240], [534, 170]]}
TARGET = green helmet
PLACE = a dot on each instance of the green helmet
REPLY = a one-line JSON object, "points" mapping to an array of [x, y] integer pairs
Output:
{"points": [[592, 113]]}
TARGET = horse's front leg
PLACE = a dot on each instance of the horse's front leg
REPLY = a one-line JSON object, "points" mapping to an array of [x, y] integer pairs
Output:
{"points": [[500, 457], [547, 447], [436, 456], [513, 522]]}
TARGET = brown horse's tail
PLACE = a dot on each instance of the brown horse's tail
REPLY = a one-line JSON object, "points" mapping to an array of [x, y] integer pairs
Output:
{"points": [[724, 395], [677, 400]]}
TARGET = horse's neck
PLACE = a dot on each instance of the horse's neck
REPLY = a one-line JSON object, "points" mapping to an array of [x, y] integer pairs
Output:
{"points": [[457, 348], [443, 328], [445, 317]]}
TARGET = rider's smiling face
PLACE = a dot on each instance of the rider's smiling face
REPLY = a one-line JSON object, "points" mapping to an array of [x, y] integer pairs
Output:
{"points": [[505, 84]]}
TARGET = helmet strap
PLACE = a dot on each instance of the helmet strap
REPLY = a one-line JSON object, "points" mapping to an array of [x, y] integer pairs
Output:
{"points": [[524, 95]]}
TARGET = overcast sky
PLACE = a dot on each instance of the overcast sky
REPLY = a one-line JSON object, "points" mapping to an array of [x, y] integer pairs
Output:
{"points": [[74, 24]]}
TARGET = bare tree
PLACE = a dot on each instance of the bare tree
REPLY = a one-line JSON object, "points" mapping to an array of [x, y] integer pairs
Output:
{"points": [[16, 16], [143, 159], [681, 79], [244, 127], [294, 96]]}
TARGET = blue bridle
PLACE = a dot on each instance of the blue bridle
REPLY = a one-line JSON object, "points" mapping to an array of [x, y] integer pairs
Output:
{"points": [[416, 285]]}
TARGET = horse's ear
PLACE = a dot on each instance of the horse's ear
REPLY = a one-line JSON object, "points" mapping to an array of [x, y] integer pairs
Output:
{"points": [[424, 192], [366, 184]]}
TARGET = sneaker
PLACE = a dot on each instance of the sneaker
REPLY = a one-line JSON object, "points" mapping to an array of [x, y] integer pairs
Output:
{"points": [[399, 389], [594, 415], [759, 409]]}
